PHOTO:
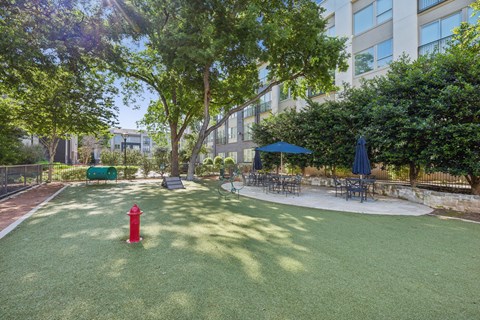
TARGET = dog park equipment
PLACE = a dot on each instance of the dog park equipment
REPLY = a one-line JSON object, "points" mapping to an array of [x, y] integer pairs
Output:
{"points": [[101, 173]]}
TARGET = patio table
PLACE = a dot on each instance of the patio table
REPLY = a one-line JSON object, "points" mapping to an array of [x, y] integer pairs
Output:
{"points": [[364, 187]]}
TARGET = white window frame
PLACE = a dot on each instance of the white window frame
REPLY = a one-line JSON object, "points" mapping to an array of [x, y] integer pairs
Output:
{"points": [[375, 58], [375, 16]]}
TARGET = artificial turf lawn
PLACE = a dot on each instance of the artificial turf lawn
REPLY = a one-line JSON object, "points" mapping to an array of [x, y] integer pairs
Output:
{"points": [[204, 257]]}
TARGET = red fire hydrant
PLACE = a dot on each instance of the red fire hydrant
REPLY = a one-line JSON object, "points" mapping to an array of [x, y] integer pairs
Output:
{"points": [[134, 214]]}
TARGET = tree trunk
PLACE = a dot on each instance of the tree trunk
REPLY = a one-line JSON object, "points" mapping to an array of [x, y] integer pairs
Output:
{"points": [[174, 172], [413, 174], [52, 148], [474, 182], [206, 121]]}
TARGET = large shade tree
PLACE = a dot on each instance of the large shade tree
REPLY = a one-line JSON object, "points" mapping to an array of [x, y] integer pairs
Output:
{"points": [[48, 70], [204, 55], [455, 109]]}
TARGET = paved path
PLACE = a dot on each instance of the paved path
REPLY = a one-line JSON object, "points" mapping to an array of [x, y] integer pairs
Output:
{"points": [[324, 198]]}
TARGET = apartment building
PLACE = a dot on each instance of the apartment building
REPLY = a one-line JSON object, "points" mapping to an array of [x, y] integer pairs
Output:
{"points": [[131, 139], [378, 32]]}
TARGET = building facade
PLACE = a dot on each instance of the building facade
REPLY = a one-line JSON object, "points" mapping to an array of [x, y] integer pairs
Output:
{"points": [[131, 139], [378, 32]]}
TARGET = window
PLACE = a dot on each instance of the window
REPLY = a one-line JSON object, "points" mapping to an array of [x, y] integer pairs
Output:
{"points": [[472, 19], [117, 146], [284, 95], [221, 155], [249, 111], [374, 57], [247, 132], [372, 15], [425, 4], [384, 10], [434, 36], [384, 53], [117, 139], [221, 136], [247, 155], [363, 19], [233, 155], [331, 31], [210, 138], [233, 116], [364, 61], [265, 102], [262, 76], [232, 134]]}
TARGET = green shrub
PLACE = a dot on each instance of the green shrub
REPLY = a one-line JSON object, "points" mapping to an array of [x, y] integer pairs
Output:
{"points": [[204, 170], [147, 165], [229, 161], [130, 170], [208, 161], [111, 158], [74, 174], [218, 161]]}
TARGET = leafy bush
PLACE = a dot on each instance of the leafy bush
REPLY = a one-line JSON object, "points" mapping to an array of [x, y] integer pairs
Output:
{"points": [[147, 165], [111, 158], [74, 174], [218, 161], [229, 161], [208, 161], [204, 170], [130, 171], [31, 154]]}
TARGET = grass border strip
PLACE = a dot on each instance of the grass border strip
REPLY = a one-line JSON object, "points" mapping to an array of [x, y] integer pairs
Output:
{"points": [[12, 226]]}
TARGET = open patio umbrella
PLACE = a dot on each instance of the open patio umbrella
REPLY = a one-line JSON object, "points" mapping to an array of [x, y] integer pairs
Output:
{"points": [[283, 147], [257, 161], [361, 164]]}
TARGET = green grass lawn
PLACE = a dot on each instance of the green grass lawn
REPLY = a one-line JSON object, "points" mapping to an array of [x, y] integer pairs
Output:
{"points": [[204, 257]]}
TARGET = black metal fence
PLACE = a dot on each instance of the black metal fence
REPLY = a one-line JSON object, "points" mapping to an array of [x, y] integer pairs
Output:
{"points": [[16, 178]]}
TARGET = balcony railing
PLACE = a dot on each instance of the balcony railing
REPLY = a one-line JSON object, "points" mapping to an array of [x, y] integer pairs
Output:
{"points": [[265, 106], [435, 46], [425, 4], [248, 112]]}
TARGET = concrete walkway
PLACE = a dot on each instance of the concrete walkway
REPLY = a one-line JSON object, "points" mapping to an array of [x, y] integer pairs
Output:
{"points": [[324, 198]]}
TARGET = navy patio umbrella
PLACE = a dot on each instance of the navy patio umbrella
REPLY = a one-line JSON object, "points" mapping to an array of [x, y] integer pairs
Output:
{"points": [[283, 147], [361, 164], [257, 161]]}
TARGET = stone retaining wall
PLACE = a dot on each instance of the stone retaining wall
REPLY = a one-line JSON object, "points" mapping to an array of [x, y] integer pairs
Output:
{"points": [[433, 199]]}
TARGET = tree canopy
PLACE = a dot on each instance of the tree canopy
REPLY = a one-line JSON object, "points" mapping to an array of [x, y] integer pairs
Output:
{"points": [[49, 72], [202, 58]]}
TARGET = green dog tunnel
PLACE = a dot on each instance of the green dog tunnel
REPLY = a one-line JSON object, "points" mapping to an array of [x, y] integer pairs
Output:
{"points": [[101, 173]]}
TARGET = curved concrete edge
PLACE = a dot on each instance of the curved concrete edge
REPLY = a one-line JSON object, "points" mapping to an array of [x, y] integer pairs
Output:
{"points": [[12, 226], [324, 198]]}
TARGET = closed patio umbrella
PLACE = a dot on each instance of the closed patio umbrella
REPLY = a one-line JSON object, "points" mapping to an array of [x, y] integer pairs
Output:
{"points": [[283, 147], [361, 164], [257, 161]]}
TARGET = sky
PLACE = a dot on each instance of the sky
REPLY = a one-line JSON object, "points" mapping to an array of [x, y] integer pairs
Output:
{"points": [[128, 115]]}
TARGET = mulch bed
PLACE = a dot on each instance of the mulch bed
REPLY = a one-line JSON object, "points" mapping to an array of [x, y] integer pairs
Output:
{"points": [[15, 207], [474, 216]]}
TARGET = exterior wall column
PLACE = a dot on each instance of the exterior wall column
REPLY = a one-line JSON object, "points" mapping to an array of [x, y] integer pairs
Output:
{"points": [[405, 28], [344, 28]]}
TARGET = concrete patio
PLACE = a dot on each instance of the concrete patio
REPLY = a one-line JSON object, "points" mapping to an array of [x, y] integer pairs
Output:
{"points": [[324, 198]]}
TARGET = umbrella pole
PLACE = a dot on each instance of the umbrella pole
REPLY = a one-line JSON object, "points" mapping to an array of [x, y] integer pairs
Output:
{"points": [[281, 162]]}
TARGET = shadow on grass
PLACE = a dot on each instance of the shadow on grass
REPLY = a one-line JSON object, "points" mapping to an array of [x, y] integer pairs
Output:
{"points": [[205, 257]]}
